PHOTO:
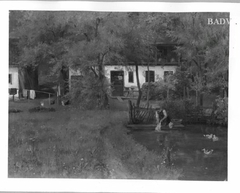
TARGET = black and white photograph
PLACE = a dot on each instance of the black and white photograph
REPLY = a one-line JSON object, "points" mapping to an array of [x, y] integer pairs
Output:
{"points": [[118, 95]]}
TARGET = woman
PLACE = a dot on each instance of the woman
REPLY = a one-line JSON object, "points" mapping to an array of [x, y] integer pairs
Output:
{"points": [[162, 118]]}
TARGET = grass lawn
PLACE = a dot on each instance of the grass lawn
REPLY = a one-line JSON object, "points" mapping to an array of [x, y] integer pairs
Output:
{"points": [[72, 143]]}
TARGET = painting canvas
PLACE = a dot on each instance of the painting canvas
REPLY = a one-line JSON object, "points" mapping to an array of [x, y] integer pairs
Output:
{"points": [[88, 87]]}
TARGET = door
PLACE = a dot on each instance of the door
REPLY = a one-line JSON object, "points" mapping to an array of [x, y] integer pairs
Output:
{"points": [[117, 81]]}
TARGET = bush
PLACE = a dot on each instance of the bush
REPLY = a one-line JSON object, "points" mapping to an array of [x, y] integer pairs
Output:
{"points": [[221, 111], [181, 109], [88, 93], [41, 109], [157, 91], [14, 111]]}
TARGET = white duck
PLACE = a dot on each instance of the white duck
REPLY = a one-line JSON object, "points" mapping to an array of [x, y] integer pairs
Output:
{"points": [[215, 138], [209, 136], [207, 152]]}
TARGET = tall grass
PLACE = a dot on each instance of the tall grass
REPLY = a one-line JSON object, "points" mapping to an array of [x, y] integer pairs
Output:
{"points": [[78, 144]]}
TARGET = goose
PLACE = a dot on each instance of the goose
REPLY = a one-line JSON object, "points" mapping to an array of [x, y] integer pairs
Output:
{"points": [[215, 138], [209, 136], [42, 103], [207, 152]]}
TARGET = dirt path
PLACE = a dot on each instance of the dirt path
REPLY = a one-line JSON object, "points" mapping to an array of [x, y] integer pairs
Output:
{"points": [[114, 168]]}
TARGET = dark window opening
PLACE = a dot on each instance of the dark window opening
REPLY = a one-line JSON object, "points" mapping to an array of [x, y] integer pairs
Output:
{"points": [[10, 78], [130, 77], [151, 77]]}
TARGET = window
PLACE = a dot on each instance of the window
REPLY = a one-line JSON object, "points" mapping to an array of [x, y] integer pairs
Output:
{"points": [[10, 78], [152, 76], [166, 74], [130, 76]]}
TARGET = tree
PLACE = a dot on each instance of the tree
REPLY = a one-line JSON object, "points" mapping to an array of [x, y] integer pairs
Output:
{"points": [[140, 41], [181, 79], [204, 47], [102, 44], [41, 39]]}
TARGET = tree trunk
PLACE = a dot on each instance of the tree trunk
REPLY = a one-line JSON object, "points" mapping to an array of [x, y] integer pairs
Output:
{"points": [[201, 99], [103, 95], [139, 88], [225, 92], [167, 93], [65, 78], [184, 93], [32, 78], [148, 89], [196, 97], [188, 93]]}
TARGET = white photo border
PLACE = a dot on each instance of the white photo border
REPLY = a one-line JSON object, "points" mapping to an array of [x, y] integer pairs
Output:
{"points": [[85, 185]]}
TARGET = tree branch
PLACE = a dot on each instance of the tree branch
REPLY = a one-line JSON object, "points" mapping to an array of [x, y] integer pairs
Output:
{"points": [[94, 71], [96, 28], [88, 39], [198, 65]]}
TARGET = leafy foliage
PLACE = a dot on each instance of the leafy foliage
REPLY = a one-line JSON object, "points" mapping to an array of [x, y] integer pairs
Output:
{"points": [[159, 90], [204, 47], [84, 93], [179, 108], [51, 43], [221, 111]]}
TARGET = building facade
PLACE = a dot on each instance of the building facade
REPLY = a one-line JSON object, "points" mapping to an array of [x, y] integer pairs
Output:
{"points": [[124, 78], [13, 80]]}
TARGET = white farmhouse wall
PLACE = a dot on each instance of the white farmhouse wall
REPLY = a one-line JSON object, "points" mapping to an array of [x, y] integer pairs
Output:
{"points": [[73, 72], [15, 81], [159, 73]]}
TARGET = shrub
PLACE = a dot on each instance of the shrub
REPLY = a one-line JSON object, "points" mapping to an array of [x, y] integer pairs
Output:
{"points": [[181, 109], [41, 109], [157, 91], [88, 93], [221, 111], [14, 111]]}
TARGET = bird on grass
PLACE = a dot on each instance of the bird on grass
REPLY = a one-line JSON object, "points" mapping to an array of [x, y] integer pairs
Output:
{"points": [[209, 136], [207, 152], [215, 138]]}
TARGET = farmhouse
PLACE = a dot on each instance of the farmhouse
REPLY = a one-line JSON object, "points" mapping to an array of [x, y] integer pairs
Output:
{"points": [[123, 77], [13, 79], [15, 74]]}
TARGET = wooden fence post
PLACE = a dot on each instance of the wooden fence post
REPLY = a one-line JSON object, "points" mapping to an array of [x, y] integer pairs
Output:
{"points": [[129, 111]]}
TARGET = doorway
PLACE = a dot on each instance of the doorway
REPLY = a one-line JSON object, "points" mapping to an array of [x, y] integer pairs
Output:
{"points": [[117, 81]]}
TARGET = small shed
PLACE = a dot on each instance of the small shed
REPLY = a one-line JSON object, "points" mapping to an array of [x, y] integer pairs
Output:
{"points": [[13, 78]]}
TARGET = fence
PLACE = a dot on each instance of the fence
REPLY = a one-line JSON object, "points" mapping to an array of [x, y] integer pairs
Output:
{"points": [[140, 115], [49, 95]]}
